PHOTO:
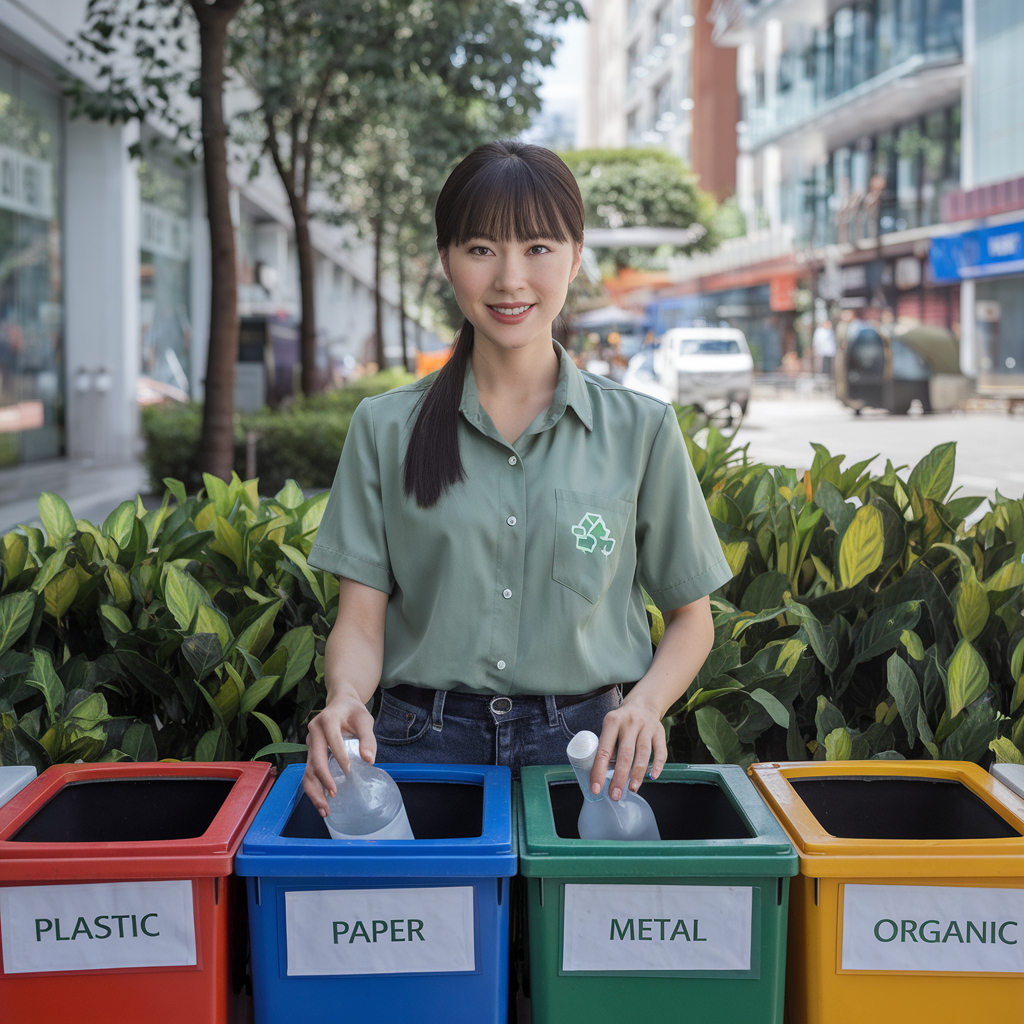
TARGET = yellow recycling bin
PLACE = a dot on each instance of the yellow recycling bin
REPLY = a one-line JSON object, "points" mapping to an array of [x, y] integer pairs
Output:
{"points": [[909, 905]]}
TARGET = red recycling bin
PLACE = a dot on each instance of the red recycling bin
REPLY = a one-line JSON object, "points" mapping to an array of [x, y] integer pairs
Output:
{"points": [[115, 895]]}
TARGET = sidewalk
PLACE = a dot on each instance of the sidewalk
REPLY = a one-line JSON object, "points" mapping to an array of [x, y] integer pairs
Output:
{"points": [[92, 490]]}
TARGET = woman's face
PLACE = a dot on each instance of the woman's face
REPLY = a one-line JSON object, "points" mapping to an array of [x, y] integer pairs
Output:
{"points": [[511, 292]]}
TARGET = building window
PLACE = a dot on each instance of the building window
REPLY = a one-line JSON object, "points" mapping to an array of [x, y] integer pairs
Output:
{"points": [[164, 245], [31, 300]]}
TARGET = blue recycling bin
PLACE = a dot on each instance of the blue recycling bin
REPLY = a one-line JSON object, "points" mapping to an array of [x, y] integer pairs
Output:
{"points": [[393, 931]]}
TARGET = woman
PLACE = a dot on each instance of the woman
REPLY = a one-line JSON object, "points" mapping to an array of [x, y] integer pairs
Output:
{"points": [[492, 524]]}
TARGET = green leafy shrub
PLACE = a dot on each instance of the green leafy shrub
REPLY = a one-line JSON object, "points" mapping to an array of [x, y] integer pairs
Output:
{"points": [[188, 632], [864, 620], [302, 443]]}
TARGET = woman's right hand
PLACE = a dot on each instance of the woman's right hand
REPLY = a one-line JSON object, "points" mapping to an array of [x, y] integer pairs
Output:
{"points": [[344, 716]]}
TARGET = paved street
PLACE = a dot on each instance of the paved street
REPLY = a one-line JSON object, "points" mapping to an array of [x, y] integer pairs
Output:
{"points": [[92, 491], [990, 445]]}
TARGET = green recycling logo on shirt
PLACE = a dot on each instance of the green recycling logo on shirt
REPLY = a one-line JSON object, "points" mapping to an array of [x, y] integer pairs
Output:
{"points": [[591, 533]]}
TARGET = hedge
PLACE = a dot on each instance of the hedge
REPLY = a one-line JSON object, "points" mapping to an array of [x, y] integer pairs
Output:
{"points": [[302, 443], [865, 619]]}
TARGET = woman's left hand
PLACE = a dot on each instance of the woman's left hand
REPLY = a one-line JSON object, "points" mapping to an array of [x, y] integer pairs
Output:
{"points": [[631, 733]]}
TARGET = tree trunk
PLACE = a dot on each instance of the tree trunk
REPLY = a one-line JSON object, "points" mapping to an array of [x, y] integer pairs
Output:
{"points": [[217, 447], [307, 291], [401, 304], [378, 301]]}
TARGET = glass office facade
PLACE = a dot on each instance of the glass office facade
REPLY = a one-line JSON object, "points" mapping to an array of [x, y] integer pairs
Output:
{"points": [[166, 326], [31, 305], [861, 40]]}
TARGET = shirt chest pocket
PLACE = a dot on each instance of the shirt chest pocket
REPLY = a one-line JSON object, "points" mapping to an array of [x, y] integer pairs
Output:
{"points": [[591, 534]]}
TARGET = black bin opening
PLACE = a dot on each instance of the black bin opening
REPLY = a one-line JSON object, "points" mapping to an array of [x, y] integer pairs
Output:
{"points": [[683, 810], [127, 811], [881, 807], [436, 810]]}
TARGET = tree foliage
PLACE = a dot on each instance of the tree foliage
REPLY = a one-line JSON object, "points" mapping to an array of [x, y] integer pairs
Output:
{"points": [[643, 188]]}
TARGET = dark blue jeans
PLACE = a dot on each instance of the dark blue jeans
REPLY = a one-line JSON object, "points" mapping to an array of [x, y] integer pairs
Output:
{"points": [[512, 731]]}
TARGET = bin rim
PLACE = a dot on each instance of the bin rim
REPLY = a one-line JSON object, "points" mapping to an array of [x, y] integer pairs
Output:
{"points": [[824, 855], [542, 852], [208, 855], [265, 852]]}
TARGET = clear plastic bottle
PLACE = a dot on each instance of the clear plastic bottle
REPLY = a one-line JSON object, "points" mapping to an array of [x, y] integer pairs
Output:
{"points": [[601, 817], [368, 804]]}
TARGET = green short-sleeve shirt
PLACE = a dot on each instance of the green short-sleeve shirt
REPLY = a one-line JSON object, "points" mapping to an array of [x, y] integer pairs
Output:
{"points": [[526, 577]]}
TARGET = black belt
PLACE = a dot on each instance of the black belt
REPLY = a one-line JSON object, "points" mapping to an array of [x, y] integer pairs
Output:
{"points": [[477, 703]]}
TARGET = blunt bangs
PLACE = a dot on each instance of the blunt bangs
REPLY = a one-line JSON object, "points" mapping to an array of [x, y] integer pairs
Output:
{"points": [[522, 194]]}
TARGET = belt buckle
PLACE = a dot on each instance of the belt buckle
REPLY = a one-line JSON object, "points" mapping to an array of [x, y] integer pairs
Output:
{"points": [[497, 709]]}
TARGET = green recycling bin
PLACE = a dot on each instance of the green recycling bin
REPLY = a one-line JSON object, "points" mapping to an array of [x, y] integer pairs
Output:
{"points": [[689, 929]]}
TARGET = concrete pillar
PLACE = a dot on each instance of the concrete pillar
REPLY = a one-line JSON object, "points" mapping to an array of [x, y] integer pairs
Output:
{"points": [[101, 254]]}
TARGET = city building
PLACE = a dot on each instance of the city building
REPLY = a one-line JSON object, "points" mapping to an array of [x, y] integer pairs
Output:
{"points": [[880, 169], [647, 85], [849, 141], [104, 262], [982, 249]]}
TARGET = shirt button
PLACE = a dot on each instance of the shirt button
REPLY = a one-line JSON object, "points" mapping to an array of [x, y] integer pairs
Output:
{"points": [[511, 520], [501, 665], [506, 594], [512, 460]]}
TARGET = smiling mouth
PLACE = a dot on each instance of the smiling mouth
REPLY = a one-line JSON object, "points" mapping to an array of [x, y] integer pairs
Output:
{"points": [[512, 310]]}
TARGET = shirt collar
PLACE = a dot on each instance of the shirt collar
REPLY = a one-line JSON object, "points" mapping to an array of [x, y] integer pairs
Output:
{"points": [[570, 391]]}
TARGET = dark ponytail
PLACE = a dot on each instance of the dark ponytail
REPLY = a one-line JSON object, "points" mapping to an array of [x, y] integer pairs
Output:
{"points": [[432, 460], [507, 191]]}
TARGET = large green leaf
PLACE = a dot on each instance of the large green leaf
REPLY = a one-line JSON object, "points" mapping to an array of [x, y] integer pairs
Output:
{"points": [[718, 736], [280, 748], [53, 565], [138, 743], [60, 592], [16, 611], [257, 635], [120, 523], [271, 726], [823, 643], [778, 711], [862, 546], [902, 684], [933, 475], [971, 609], [832, 503], [209, 744], [827, 718], [1005, 750], [183, 596], [838, 745], [43, 678], [255, 692], [966, 677], [203, 652], [56, 518]]}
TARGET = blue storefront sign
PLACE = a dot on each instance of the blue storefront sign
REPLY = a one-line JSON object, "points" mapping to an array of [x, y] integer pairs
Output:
{"points": [[986, 252]]}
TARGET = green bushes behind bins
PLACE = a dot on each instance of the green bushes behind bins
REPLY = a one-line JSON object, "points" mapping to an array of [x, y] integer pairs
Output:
{"points": [[192, 631], [865, 620], [283, 450]]}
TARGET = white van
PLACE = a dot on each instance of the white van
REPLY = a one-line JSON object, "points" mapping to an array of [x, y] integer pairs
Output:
{"points": [[710, 367]]}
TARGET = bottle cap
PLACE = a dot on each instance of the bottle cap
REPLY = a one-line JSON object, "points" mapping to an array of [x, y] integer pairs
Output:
{"points": [[352, 749], [582, 749]]}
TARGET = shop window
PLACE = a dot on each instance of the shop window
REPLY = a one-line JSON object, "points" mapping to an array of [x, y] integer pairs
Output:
{"points": [[31, 301], [164, 244]]}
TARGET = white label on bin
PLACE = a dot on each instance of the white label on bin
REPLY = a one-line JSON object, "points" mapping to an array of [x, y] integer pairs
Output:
{"points": [[933, 928], [381, 931], [101, 926], [657, 928]]}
